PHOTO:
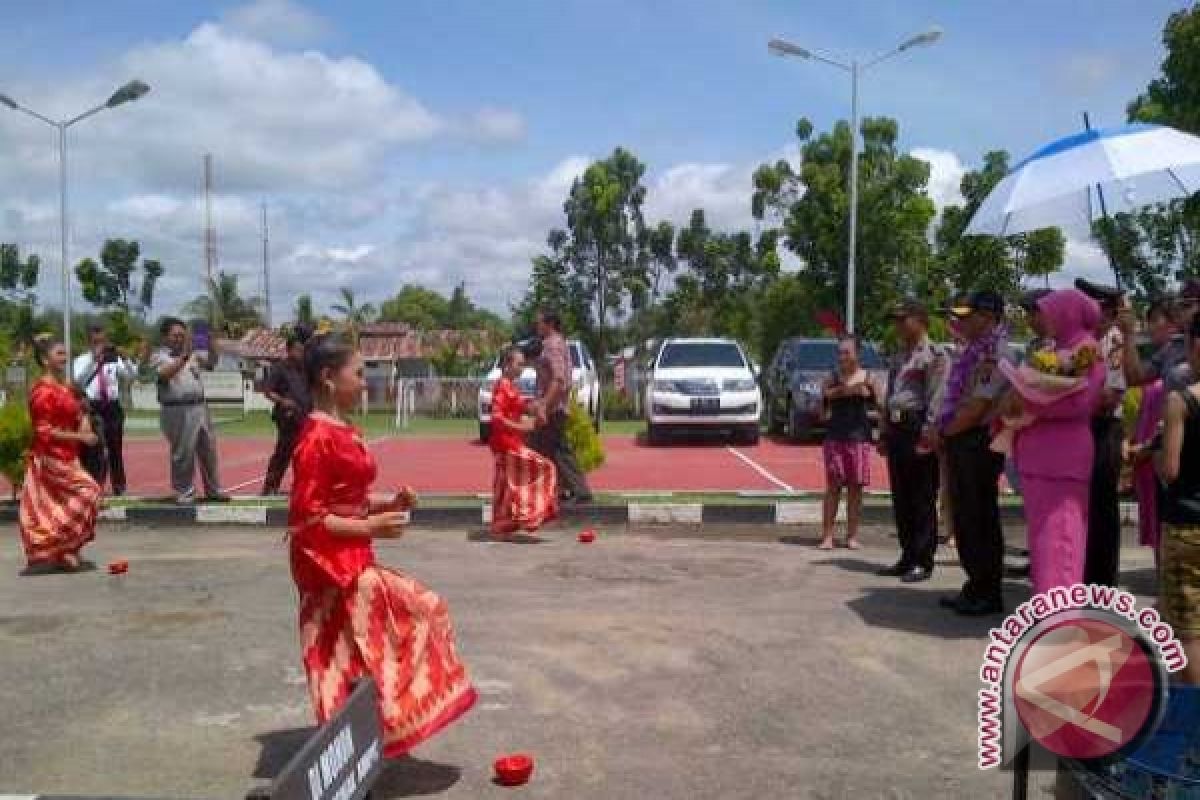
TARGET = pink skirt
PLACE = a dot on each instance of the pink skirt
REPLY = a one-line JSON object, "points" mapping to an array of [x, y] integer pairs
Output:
{"points": [[847, 463]]}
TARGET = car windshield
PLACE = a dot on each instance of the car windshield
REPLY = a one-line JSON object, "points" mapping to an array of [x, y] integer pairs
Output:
{"points": [[701, 354], [823, 356]]}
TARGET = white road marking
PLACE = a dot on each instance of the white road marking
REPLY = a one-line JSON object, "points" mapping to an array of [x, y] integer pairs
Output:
{"points": [[752, 464], [263, 477]]}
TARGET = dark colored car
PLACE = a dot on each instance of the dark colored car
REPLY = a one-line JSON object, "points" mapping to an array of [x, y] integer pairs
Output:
{"points": [[792, 382]]}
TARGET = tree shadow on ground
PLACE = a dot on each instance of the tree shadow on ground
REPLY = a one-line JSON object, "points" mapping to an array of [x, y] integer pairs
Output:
{"points": [[859, 565], [402, 777], [514, 538], [913, 610]]}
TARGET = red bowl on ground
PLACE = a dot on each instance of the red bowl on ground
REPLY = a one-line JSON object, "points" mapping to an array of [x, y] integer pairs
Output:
{"points": [[514, 770], [118, 568], [587, 536]]}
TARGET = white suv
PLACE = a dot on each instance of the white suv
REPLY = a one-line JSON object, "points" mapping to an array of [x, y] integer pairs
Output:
{"points": [[584, 382], [703, 383]]}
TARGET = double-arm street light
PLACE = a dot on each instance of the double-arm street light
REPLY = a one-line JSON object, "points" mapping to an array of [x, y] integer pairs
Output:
{"points": [[126, 94], [781, 47]]}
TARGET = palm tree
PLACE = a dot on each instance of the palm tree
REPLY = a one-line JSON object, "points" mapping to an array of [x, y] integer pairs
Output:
{"points": [[354, 315], [225, 308]]}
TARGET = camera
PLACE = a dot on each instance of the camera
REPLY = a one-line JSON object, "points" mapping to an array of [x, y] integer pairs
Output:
{"points": [[109, 354]]}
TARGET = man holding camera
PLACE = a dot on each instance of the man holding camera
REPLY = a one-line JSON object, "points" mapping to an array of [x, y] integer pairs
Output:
{"points": [[184, 413], [99, 373]]}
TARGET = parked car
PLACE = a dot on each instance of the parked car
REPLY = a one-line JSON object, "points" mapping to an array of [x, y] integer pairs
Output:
{"points": [[792, 384], [702, 384], [584, 381]]}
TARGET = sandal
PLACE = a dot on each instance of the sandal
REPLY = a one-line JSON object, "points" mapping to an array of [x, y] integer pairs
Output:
{"points": [[853, 544], [826, 544]]}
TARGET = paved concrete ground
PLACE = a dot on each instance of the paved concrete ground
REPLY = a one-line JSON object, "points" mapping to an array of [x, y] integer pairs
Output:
{"points": [[664, 665]]}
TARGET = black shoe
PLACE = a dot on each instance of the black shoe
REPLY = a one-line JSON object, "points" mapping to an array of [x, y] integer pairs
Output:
{"points": [[916, 575], [951, 601], [218, 497], [979, 608], [1017, 571], [894, 571]]}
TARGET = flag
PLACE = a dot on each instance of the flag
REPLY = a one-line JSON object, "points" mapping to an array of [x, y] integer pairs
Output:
{"points": [[831, 321]]}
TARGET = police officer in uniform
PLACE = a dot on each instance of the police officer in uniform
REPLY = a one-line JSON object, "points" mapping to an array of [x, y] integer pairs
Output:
{"points": [[1102, 563], [915, 381], [973, 389]]}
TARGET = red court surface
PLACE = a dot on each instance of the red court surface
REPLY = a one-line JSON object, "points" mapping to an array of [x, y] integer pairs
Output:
{"points": [[453, 466]]}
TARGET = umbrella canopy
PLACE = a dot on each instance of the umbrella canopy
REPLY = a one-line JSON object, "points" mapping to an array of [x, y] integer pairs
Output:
{"points": [[1069, 183]]}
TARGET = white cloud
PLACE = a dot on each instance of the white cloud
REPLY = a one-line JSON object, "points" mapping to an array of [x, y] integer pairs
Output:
{"points": [[946, 171], [279, 21], [146, 207], [722, 190], [496, 125]]}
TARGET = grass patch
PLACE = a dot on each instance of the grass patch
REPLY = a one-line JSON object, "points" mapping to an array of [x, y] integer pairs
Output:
{"points": [[258, 424]]}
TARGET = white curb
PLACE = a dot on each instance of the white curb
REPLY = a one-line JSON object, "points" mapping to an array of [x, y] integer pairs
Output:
{"points": [[666, 513], [243, 515]]}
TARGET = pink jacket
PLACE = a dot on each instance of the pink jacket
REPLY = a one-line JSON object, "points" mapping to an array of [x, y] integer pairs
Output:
{"points": [[1059, 443]]}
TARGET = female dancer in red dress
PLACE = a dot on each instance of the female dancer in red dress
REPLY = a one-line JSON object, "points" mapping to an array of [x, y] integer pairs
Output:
{"points": [[59, 499], [525, 488], [356, 617]]}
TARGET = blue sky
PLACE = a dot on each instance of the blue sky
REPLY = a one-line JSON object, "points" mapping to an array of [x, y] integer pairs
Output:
{"points": [[489, 106]]}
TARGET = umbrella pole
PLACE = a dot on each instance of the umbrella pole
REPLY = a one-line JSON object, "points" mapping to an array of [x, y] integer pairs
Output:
{"points": [[1087, 126]]}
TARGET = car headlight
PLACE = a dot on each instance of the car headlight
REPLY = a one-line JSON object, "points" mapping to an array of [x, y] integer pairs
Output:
{"points": [[740, 385], [664, 386]]}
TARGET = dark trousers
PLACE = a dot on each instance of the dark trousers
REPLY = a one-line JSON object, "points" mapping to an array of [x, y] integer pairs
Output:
{"points": [[975, 506], [287, 431], [914, 481], [1102, 564], [551, 442], [112, 418]]}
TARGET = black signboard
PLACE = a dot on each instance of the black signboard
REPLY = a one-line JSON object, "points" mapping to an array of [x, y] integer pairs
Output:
{"points": [[340, 761]]}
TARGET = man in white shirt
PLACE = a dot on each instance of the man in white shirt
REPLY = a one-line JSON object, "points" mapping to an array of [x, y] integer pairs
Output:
{"points": [[99, 372]]}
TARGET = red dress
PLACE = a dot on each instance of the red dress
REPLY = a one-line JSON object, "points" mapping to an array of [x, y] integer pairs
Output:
{"points": [[359, 618], [59, 499], [525, 487]]}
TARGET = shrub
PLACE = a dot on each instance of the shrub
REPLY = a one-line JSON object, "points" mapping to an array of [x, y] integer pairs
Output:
{"points": [[581, 435], [16, 433], [618, 405]]}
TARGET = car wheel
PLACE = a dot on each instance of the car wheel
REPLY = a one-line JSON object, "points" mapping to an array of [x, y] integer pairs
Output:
{"points": [[774, 424], [654, 434], [791, 423], [751, 435], [485, 432]]}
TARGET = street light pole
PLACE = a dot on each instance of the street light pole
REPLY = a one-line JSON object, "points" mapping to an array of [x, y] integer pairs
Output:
{"points": [[782, 47], [126, 94], [852, 246]]}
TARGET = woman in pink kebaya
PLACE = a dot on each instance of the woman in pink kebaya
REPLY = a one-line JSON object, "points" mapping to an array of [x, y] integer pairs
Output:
{"points": [[1054, 450]]}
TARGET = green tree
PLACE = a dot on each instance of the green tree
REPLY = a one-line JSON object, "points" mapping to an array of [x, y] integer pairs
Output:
{"points": [[18, 297], [420, 308], [894, 215], [552, 285], [224, 307], [606, 227], [303, 312], [725, 275], [966, 263], [109, 284], [354, 314], [1150, 247]]}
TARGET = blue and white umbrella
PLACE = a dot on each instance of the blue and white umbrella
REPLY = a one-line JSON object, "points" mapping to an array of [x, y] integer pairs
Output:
{"points": [[1072, 182]]}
